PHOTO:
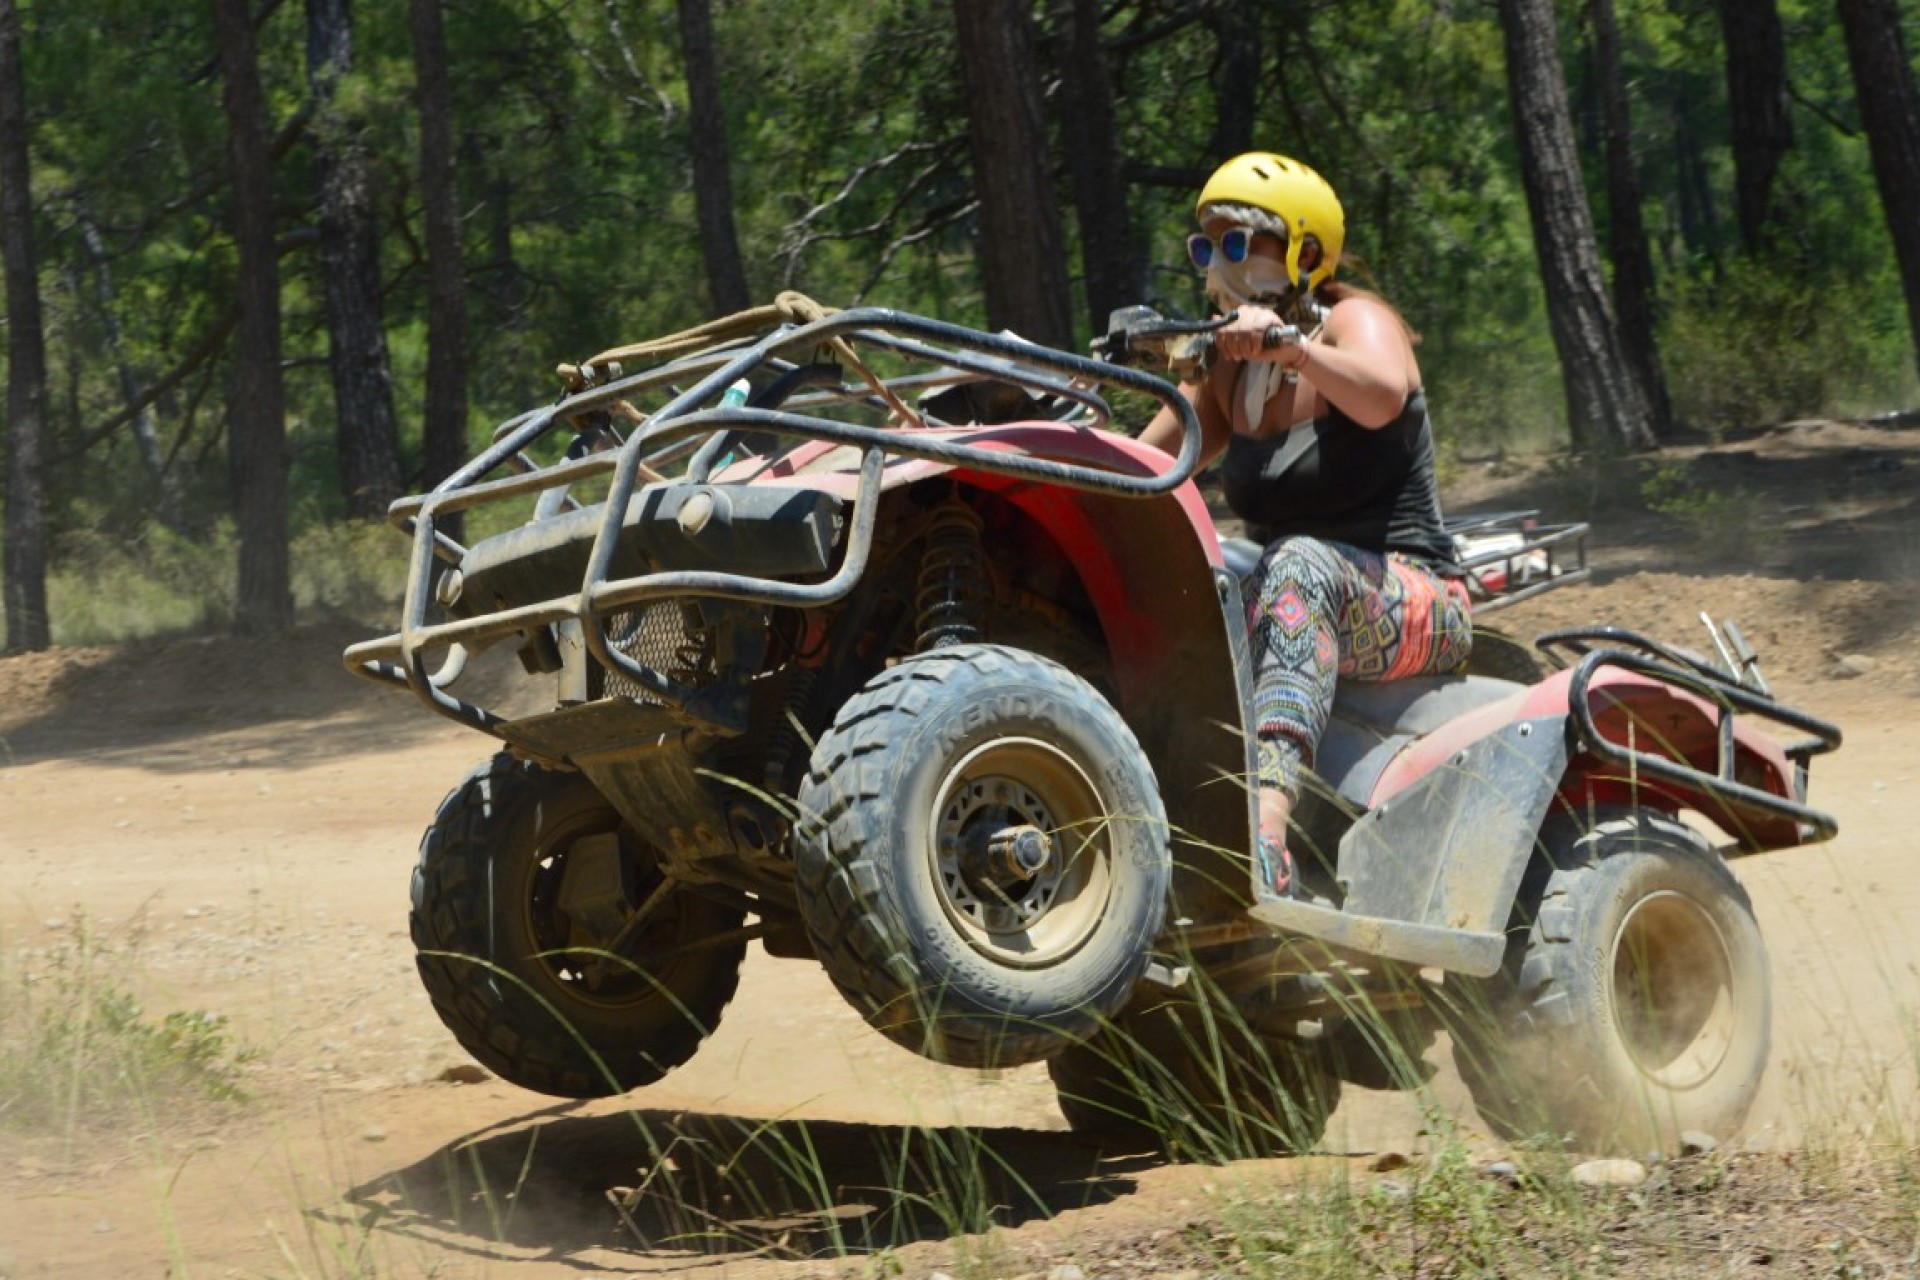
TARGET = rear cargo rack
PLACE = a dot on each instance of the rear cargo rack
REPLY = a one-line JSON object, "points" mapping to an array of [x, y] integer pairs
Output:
{"points": [[696, 428], [1509, 556], [1599, 648]]}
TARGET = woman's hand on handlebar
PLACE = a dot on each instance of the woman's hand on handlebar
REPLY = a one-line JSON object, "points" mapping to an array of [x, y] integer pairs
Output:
{"points": [[1255, 333]]}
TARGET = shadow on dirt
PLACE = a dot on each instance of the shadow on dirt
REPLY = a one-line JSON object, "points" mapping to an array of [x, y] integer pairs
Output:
{"points": [[664, 1185]]}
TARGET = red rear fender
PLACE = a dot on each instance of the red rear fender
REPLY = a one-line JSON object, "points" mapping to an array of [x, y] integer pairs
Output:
{"points": [[1642, 714]]}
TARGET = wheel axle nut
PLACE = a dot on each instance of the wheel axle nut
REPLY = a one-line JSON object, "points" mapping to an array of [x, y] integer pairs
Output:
{"points": [[1019, 853]]}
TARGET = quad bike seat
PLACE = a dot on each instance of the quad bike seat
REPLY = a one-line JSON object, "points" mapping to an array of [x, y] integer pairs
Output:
{"points": [[1371, 722]]}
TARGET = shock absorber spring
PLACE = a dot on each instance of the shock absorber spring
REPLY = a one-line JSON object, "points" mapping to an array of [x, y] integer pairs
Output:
{"points": [[693, 650], [784, 742], [951, 605]]}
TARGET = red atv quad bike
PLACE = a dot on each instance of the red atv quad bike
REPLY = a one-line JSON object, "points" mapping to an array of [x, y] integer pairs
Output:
{"points": [[871, 641]]}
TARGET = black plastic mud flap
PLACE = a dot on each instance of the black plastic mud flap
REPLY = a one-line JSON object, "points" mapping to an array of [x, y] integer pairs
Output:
{"points": [[1431, 874]]}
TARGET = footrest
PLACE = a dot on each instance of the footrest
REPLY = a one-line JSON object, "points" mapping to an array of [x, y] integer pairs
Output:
{"points": [[1455, 950]]}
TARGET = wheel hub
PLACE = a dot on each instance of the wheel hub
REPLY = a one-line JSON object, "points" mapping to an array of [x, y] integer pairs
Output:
{"points": [[1008, 857], [996, 858], [1020, 852], [1673, 990], [581, 907]]}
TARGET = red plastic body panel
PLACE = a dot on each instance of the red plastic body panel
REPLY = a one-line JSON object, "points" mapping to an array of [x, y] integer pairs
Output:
{"points": [[1643, 714], [1148, 567], [834, 467], [1146, 563]]}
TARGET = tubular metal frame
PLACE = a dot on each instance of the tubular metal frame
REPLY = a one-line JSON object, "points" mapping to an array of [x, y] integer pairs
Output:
{"points": [[1631, 651], [696, 417]]}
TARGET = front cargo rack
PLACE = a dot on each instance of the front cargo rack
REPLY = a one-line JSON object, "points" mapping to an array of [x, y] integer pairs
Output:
{"points": [[755, 388]]}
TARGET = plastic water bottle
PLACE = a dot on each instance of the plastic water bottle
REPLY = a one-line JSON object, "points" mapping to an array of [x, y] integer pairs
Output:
{"points": [[735, 396]]}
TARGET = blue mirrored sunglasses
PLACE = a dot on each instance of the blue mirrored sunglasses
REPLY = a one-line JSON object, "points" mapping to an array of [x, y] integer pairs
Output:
{"points": [[1232, 244]]}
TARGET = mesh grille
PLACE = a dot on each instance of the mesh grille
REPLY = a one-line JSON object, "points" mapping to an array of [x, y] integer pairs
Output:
{"points": [[666, 636]]}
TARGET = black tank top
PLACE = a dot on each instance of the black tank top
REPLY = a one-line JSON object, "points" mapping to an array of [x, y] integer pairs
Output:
{"points": [[1370, 488]]}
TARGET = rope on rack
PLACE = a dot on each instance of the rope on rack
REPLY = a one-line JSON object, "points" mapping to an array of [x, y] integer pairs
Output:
{"points": [[788, 307]]}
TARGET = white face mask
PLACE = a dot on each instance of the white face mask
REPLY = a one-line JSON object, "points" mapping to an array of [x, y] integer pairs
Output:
{"points": [[1256, 280]]}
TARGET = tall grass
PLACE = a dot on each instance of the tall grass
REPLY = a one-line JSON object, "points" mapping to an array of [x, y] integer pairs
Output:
{"points": [[787, 1189], [79, 1051]]}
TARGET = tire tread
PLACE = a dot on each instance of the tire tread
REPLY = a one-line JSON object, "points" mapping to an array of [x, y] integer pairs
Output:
{"points": [[484, 1009], [845, 806]]}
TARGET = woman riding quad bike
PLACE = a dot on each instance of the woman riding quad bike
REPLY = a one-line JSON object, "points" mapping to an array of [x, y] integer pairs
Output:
{"points": [[911, 665]]}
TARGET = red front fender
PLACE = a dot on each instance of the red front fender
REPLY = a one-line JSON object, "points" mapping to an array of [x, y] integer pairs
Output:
{"points": [[1149, 567]]}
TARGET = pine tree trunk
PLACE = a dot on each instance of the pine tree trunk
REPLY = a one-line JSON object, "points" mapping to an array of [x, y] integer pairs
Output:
{"points": [[367, 436], [1022, 246], [1633, 285], [1236, 29], [256, 415], [1605, 409], [1115, 273], [712, 185], [26, 556], [445, 426], [1890, 111], [1759, 109]]}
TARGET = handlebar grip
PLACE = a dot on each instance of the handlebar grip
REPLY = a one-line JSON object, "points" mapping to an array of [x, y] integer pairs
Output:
{"points": [[1279, 335]]}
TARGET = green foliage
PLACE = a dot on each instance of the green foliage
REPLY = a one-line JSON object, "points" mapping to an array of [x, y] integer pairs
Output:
{"points": [[1441, 1206], [352, 570], [1723, 524], [77, 1048], [1502, 392], [103, 591], [1761, 344], [851, 182]]}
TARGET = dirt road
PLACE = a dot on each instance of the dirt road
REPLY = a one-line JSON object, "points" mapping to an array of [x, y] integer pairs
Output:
{"points": [[250, 858], [264, 866]]}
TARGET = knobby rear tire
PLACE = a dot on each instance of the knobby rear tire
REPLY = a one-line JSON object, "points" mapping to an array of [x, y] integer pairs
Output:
{"points": [[1637, 1004]]}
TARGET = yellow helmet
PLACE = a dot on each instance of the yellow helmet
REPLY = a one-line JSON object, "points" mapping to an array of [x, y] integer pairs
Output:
{"points": [[1291, 192]]}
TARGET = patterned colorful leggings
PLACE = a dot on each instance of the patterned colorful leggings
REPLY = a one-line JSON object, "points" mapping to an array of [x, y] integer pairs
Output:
{"points": [[1322, 611]]}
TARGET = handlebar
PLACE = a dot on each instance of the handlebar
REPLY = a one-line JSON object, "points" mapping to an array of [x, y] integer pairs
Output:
{"points": [[1185, 348]]}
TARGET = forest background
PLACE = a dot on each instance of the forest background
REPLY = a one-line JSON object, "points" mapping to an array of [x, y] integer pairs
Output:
{"points": [[268, 266]]}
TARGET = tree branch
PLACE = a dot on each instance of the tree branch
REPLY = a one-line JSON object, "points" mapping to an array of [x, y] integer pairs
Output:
{"points": [[1183, 17], [283, 142], [800, 235], [1838, 125], [208, 348], [939, 221]]}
